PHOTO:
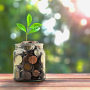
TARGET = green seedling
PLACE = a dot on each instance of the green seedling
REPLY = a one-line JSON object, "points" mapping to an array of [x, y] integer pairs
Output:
{"points": [[35, 27]]}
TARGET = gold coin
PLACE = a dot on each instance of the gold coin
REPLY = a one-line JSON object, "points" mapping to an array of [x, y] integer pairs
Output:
{"points": [[27, 67]]}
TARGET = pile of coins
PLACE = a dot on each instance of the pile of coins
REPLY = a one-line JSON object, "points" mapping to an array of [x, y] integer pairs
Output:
{"points": [[29, 61]]}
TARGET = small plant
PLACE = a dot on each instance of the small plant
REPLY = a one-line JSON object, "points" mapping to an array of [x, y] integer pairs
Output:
{"points": [[30, 28]]}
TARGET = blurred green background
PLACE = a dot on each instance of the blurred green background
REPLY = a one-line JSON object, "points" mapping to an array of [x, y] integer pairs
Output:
{"points": [[65, 34]]}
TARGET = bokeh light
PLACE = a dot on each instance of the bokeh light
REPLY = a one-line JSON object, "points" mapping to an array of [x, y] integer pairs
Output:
{"points": [[16, 4], [80, 64], [72, 9], [83, 22], [13, 36], [49, 26], [61, 37], [57, 16], [32, 2], [2, 7], [66, 3], [42, 6], [83, 6]]}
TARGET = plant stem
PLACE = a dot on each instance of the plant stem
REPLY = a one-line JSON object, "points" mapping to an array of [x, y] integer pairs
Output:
{"points": [[26, 36], [26, 33]]}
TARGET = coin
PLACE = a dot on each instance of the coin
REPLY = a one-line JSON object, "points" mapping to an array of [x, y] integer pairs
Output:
{"points": [[37, 52], [32, 59], [18, 60], [26, 75], [35, 73], [27, 67]]}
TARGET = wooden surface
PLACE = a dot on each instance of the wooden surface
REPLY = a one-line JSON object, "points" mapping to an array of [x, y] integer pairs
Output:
{"points": [[52, 82]]}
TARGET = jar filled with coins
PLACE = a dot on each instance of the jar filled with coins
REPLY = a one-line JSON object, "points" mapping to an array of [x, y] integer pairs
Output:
{"points": [[29, 61]]}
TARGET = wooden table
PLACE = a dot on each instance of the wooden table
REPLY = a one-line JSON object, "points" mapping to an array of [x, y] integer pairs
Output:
{"points": [[52, 82]]}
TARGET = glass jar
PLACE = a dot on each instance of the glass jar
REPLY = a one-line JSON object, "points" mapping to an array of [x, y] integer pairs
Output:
{"points": [[29, 61]]}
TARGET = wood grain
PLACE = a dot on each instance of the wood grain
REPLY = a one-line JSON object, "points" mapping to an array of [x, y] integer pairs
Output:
{"points": [[53, 81]]}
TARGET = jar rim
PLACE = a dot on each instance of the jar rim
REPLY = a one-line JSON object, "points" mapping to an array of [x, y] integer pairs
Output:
{"points": [[26, 43]]}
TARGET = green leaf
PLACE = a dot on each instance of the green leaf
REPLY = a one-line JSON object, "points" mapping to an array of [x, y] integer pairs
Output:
{"points": [[21, 27], [29, 20], [35, 27], [34, 30]]}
